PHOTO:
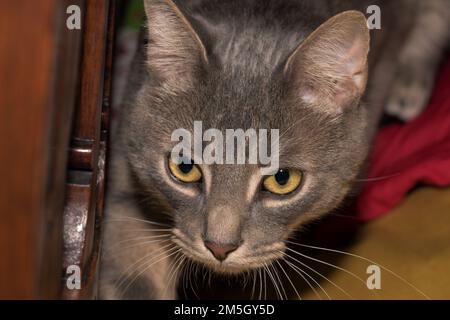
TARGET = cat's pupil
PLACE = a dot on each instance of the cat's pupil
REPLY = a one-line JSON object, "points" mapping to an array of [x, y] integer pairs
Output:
{"points": [[282, 177], [185, 167]]}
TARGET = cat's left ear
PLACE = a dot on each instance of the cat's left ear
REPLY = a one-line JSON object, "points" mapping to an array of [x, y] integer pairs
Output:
{"points": [[329, 69], [175, 52]]}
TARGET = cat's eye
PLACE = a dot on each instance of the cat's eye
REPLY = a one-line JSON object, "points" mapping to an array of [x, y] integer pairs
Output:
{"points": [[283, 182], [186, 171]]}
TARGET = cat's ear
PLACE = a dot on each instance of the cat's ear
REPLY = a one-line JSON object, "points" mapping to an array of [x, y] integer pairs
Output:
{"points": [[329, 69], [175, 52]]}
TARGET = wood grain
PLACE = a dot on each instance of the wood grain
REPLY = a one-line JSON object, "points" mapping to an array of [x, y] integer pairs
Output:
{"points": [[37, 95], [88, 153], [86, 130]]}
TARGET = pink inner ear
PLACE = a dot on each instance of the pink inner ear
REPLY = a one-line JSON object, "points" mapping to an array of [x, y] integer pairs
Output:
{"points": [[354, 72], [345, 93], [331, 65], [340, 95], [356, 60], [308, 95], [360, 79]]}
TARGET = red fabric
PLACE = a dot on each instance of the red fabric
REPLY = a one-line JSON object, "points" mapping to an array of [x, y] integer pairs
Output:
{"points": [[407, 154]]}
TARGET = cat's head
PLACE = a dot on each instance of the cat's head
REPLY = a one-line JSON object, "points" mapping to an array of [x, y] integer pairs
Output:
{"points": [[229, 216]]}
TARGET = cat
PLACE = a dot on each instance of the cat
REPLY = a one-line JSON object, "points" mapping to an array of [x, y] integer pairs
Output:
{"points": [[311, 69]]}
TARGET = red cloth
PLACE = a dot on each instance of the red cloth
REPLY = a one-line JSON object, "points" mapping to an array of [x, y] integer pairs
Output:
{"points": [[407, 154]]}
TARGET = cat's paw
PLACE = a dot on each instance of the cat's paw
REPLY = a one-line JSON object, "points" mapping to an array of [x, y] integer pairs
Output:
{"points": [[410, 92]]}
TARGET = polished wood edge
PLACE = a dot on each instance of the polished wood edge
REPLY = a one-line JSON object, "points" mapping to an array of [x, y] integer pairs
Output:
{"points": [[86, 181]]}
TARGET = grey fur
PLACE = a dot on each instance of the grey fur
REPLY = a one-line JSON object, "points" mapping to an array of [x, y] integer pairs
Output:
{"points": [[233, 78]]}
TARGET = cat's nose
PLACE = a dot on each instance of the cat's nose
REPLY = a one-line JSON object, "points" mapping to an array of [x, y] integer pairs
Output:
{"points": [[220, 251]]}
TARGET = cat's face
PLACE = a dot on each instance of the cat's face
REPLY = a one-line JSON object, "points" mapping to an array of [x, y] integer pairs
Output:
{"points": [[229, 216]]}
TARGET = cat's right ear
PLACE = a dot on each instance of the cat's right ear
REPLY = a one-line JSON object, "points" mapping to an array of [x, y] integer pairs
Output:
{"points": [[329, 69], [175, 52]]}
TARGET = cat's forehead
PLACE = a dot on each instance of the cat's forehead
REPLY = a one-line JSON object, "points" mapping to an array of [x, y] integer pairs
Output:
{"points": [[233, 101]]}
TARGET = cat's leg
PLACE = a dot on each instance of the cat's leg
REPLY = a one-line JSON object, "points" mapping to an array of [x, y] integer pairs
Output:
{"points": [[137, 260], [419, 60]]}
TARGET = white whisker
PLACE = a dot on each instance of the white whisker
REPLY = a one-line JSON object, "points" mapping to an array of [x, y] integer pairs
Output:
{"points": [[127, 219], [169, 253], [300, 272], [367, 260], [289, 279], [329, 264], [320, 275], [126, 273]]}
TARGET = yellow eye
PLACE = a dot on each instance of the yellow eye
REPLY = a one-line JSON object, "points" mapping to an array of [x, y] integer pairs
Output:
{"points": [[186, 172], [283, 182]]}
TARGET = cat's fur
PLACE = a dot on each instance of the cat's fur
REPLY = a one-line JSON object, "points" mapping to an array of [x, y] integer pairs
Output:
{"points": [[254, 64]]}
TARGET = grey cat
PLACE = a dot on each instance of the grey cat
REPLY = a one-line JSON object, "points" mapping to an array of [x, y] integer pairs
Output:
{"points": [[311, 69]]}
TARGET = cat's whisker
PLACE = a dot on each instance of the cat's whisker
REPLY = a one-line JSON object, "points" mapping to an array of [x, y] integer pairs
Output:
{"points": [[189, 276], [136, 264], [183, 280], [143, 197], [275, 271], [196, 268], [204, 277], [265, 279], [166, 255], [127, 218], [265, 284], [260, 284], [373, 179], [172, 267], [257, 281], [149, 237], [277, 289], [186, 277], [123, 249], [266, 272], [274, 281], [175, 268], [330, 265], [290, 281], [244, 278], [248, 278], [253, 273], [343, 216], [129, 225], [320, 275], [150, 229], [191, 271], [367, 260], [117, 252], [300, 272], [209, 278]]}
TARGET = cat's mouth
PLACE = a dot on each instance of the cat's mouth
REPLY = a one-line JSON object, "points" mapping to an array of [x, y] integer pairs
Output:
{"points": [[242, 260]]}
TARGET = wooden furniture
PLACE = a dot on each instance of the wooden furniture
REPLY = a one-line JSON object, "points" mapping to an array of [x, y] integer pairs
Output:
{"points": [[54, 115]]}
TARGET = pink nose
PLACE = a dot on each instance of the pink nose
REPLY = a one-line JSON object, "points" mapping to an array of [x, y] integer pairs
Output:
{"points": [[220, 251]]}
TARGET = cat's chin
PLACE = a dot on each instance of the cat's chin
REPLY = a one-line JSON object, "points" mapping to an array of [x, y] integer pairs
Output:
{"points": [[227, 270], [235, 268], [232, 266]]}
